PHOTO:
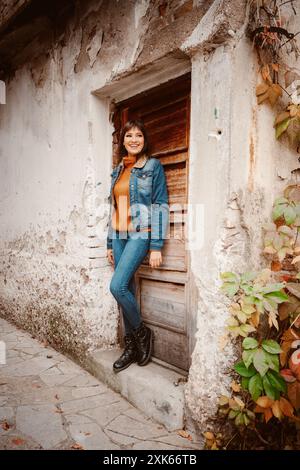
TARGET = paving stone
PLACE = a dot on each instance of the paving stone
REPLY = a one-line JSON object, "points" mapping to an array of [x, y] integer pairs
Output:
{"points": [[52, 403], [91, 437], [105, 414], [7, 415], [53, 378], [77, 419], [121, 439], [42, 424], [88, 391], [32, 366], [83, 380], [130, 427], [45, 395], [82, 404], [17, 441]]}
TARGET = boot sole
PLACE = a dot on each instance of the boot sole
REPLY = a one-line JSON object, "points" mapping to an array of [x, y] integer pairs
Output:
{"points": [[123, 368], [145, 361]]}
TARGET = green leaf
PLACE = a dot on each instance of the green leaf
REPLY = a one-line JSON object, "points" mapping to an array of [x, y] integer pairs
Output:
{"points": [[239, 420], [281, 200], [277, 212], [247, 329], [248, 276], [229, 277], [230, 288], [276, 381], [242, 316], [233, 414], [269, 390], [250, 343], [278, 297], [271, 346], [241, 369], [260, 362], [282, 127], [289, 215], [273, 361], [247, 356], [245, 383], [255, 386]]}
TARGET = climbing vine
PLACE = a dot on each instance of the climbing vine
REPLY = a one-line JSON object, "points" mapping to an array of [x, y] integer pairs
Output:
{"points": [[269, 34]]}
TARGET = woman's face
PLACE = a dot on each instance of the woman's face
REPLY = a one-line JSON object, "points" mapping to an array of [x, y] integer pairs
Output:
{"points": [[134, 141]]}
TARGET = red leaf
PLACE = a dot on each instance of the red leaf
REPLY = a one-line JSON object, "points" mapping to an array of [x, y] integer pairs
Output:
{"points": [[5, 426], [288, 375], [18, 442], [294, 394]]}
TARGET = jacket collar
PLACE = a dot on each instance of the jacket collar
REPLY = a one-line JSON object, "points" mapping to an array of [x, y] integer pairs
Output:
{"points": [[140, 163]]}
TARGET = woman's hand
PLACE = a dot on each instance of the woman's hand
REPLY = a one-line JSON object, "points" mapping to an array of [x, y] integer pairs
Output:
{"points": [[110, 256], [155, 259]]}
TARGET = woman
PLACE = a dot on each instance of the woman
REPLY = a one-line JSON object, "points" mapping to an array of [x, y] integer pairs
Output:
{"points": [[138, 224]]}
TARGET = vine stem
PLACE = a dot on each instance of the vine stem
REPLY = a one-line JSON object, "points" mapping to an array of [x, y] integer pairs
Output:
{"points": [[261, 438], [284, 90], [231, 440]]}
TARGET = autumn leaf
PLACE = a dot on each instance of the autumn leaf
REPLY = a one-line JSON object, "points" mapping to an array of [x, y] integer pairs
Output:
{"points": [[185, 434], [235, 386], [5, 426], [77, 446], [18, 442], [209, 435], [293, 391]]}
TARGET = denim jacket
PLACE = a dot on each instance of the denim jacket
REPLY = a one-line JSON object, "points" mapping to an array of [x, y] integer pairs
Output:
{"points": [[148, 199]]}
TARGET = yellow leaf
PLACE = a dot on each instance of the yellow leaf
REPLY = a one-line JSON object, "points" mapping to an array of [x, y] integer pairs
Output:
{"points": [[239, 402], [277, 410], [261, 89], [223, 400], [274, 92], [265, 73], [263, 97], [286, 407], [275, 67], [293, 110], [281, 117], [209, 435], [235, 386], [264, 402], [223, 340], [184, 434]]}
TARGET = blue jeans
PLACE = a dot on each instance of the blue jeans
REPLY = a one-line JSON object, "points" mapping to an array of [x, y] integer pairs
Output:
{"points": [[129, 250]]}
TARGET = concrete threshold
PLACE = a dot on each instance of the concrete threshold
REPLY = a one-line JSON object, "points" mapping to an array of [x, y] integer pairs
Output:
{"points": [[150, 388]]}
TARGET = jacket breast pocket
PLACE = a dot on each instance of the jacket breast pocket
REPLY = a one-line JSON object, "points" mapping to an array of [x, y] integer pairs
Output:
{"points": [[144, 180]]}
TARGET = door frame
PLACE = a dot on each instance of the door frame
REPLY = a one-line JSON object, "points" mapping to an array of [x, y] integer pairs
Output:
{"points": [[103, 102]]}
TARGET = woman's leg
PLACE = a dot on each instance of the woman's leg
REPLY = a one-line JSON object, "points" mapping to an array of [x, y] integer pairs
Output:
{"points": [[132, 256], [118, 245]]}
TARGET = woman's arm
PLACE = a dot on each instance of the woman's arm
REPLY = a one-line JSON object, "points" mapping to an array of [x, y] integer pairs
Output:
{"points": [[159, 209]]}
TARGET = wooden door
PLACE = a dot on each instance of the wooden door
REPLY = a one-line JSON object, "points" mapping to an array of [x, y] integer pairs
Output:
{"points": [[163, 293]]}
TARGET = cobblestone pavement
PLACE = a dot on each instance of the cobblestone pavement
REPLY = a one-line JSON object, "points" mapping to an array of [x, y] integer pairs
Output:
{"points": [[49, 402]]}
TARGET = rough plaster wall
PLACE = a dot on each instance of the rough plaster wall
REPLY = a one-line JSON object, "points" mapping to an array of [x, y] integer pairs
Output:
{"points": [[237, 174], [54, 273]]}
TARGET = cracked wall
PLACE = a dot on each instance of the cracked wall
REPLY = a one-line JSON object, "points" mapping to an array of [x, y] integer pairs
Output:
{"points": [[54, 275], [55, 168]]}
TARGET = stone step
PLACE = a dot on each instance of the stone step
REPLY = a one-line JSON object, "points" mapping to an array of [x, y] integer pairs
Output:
{"points": [[151, 388]]}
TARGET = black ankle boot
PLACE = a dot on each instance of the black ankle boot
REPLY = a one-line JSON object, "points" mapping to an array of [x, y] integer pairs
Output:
{"points": [[144, 340], [129, 354]]}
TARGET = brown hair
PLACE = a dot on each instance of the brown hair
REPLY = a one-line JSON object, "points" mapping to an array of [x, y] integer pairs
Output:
{"points": [[129, 125]]}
